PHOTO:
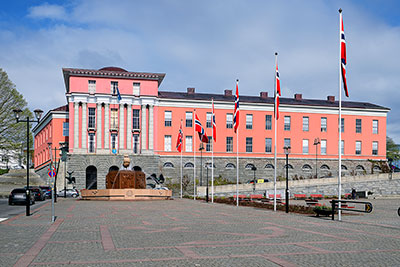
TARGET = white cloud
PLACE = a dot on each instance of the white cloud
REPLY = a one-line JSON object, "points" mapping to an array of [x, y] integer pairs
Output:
{"points": [[47, 11]]}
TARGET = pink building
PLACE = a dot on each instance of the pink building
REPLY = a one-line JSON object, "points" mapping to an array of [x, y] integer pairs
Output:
{"points": [[113, 112]]}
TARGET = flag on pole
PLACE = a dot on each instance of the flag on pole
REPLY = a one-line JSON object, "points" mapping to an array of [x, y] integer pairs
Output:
{"points": [[199, 128], [180, 140], [118, 95], [277, 92], [213, 122], [343, 55], [236, 111]]}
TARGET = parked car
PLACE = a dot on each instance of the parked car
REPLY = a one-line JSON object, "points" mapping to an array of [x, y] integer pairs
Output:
{"points": [[37, 193], [18, 196], [46, 190], [70, 193], [258, 181]]}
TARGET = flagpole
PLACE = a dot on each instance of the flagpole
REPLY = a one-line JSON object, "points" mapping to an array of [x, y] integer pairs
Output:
{"points": [[181, 160], [237, 156], [275, 127], [212, 152], [194, 155], [340, 122]]}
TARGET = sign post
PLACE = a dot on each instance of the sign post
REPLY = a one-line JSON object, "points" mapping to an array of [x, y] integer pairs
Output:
{"points": [[51, 174]]}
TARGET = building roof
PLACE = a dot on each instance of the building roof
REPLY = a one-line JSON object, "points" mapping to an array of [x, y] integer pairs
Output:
{"points": [[268, 100], [111, 72], [61, 108]]}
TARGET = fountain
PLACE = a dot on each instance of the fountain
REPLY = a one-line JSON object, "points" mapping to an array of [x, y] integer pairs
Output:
{"points": [[126, 184]]}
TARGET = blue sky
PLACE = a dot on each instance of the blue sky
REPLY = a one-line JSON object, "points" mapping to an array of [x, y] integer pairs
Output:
{"points": [[207, 45]]}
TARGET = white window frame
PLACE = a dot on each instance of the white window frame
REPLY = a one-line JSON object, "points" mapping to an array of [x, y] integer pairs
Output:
{"points": [[92, 118], [359, 127], [189, 143], [286, 142], [249, 144], [375, 148], [229, 144], [229, 120], [268, 145], [91, 87], [208, 120], [136, 119], [189, 119], [167, 143], [114, 87], [286, 125], [323, 147], [136, 143], [375, 125], [324, 124], [136, 88], [91, 142], [114, 118], [167, 118], [305, 146], [65, 129], [249, 121], [358, 147], [306, 123]]}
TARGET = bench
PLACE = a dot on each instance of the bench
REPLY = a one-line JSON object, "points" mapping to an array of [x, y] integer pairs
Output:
{"points": [[316, 196], [271, 196], [312, 202], [300, 196], [256, 197]]}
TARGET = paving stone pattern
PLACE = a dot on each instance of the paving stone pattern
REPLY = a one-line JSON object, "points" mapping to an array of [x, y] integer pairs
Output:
{"points": [[193, 233]]}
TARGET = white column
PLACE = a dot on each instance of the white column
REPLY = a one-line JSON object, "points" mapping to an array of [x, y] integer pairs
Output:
{"points": [[121, 126], [129, 128], [99, 127], [76, 125], [151, 125], [107, 126], [84, 126], [144, 128]]}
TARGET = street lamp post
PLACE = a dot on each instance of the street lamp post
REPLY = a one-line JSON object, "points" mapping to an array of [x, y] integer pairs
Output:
{"points": [[201, 163], [38, 115], [316, 143], [287, 152], [207, 166], [254, 168]]}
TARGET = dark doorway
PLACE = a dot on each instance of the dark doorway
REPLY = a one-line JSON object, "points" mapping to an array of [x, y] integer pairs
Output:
{"points": [[91, 177], [137, 168], [110, 178]]}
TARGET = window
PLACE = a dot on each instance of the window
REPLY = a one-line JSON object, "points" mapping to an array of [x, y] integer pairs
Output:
{"points": [[189, 119], [135, 143], [286, 142], [323, 124], [268, 145], [188, 165], [114, 88], [114, 141], [208, 120], [269, 166], [167, 143], [168, 165], [209, 144], [358, 125], [188, 143], [91, 142], [135, 119], [168, 118], [92, 118], [287, 123], [92, 87], [342, 147], [305, 146], [136, 89], [229, 144], [230, 166], [306, 167], [268, 122], [358, 147], [323, 147], [249, 166], [229, 120], [249, 121], [249, 144], [375, 126], [374, 148], [305, 124], [342, 125], [114, 119], [65, 128]]}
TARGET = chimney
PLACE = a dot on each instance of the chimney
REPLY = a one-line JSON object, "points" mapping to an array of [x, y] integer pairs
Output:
{"points": [[331, 98], [190, 90], [264, 95], [298, 96], [228, 92]]}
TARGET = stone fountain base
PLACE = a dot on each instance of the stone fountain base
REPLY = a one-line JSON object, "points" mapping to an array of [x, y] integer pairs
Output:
{"points": [[125, 194]]}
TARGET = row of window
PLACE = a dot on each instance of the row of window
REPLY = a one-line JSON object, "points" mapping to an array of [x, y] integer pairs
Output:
{"points": [[268, 145], [113, 88], [113, 118], [114, 142], [268, 122]]}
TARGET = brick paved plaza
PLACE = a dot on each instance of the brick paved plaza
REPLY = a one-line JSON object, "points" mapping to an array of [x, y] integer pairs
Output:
{"points": [[193, 233]]}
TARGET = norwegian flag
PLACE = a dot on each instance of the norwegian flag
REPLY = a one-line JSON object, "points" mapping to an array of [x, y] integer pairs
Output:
{"points": [[343, 54], [199, 128], [180, 140], [278, 91], [236, 111], [213, 122]]}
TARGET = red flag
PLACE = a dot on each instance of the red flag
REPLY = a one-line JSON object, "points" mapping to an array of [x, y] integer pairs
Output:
{"points": [[343, 54], [199, 128], [236, 111], [180, 139], [213, 122], [278, 91]]}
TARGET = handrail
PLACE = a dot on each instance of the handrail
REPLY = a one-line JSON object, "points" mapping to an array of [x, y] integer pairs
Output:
{"points": [[335, 202]]}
